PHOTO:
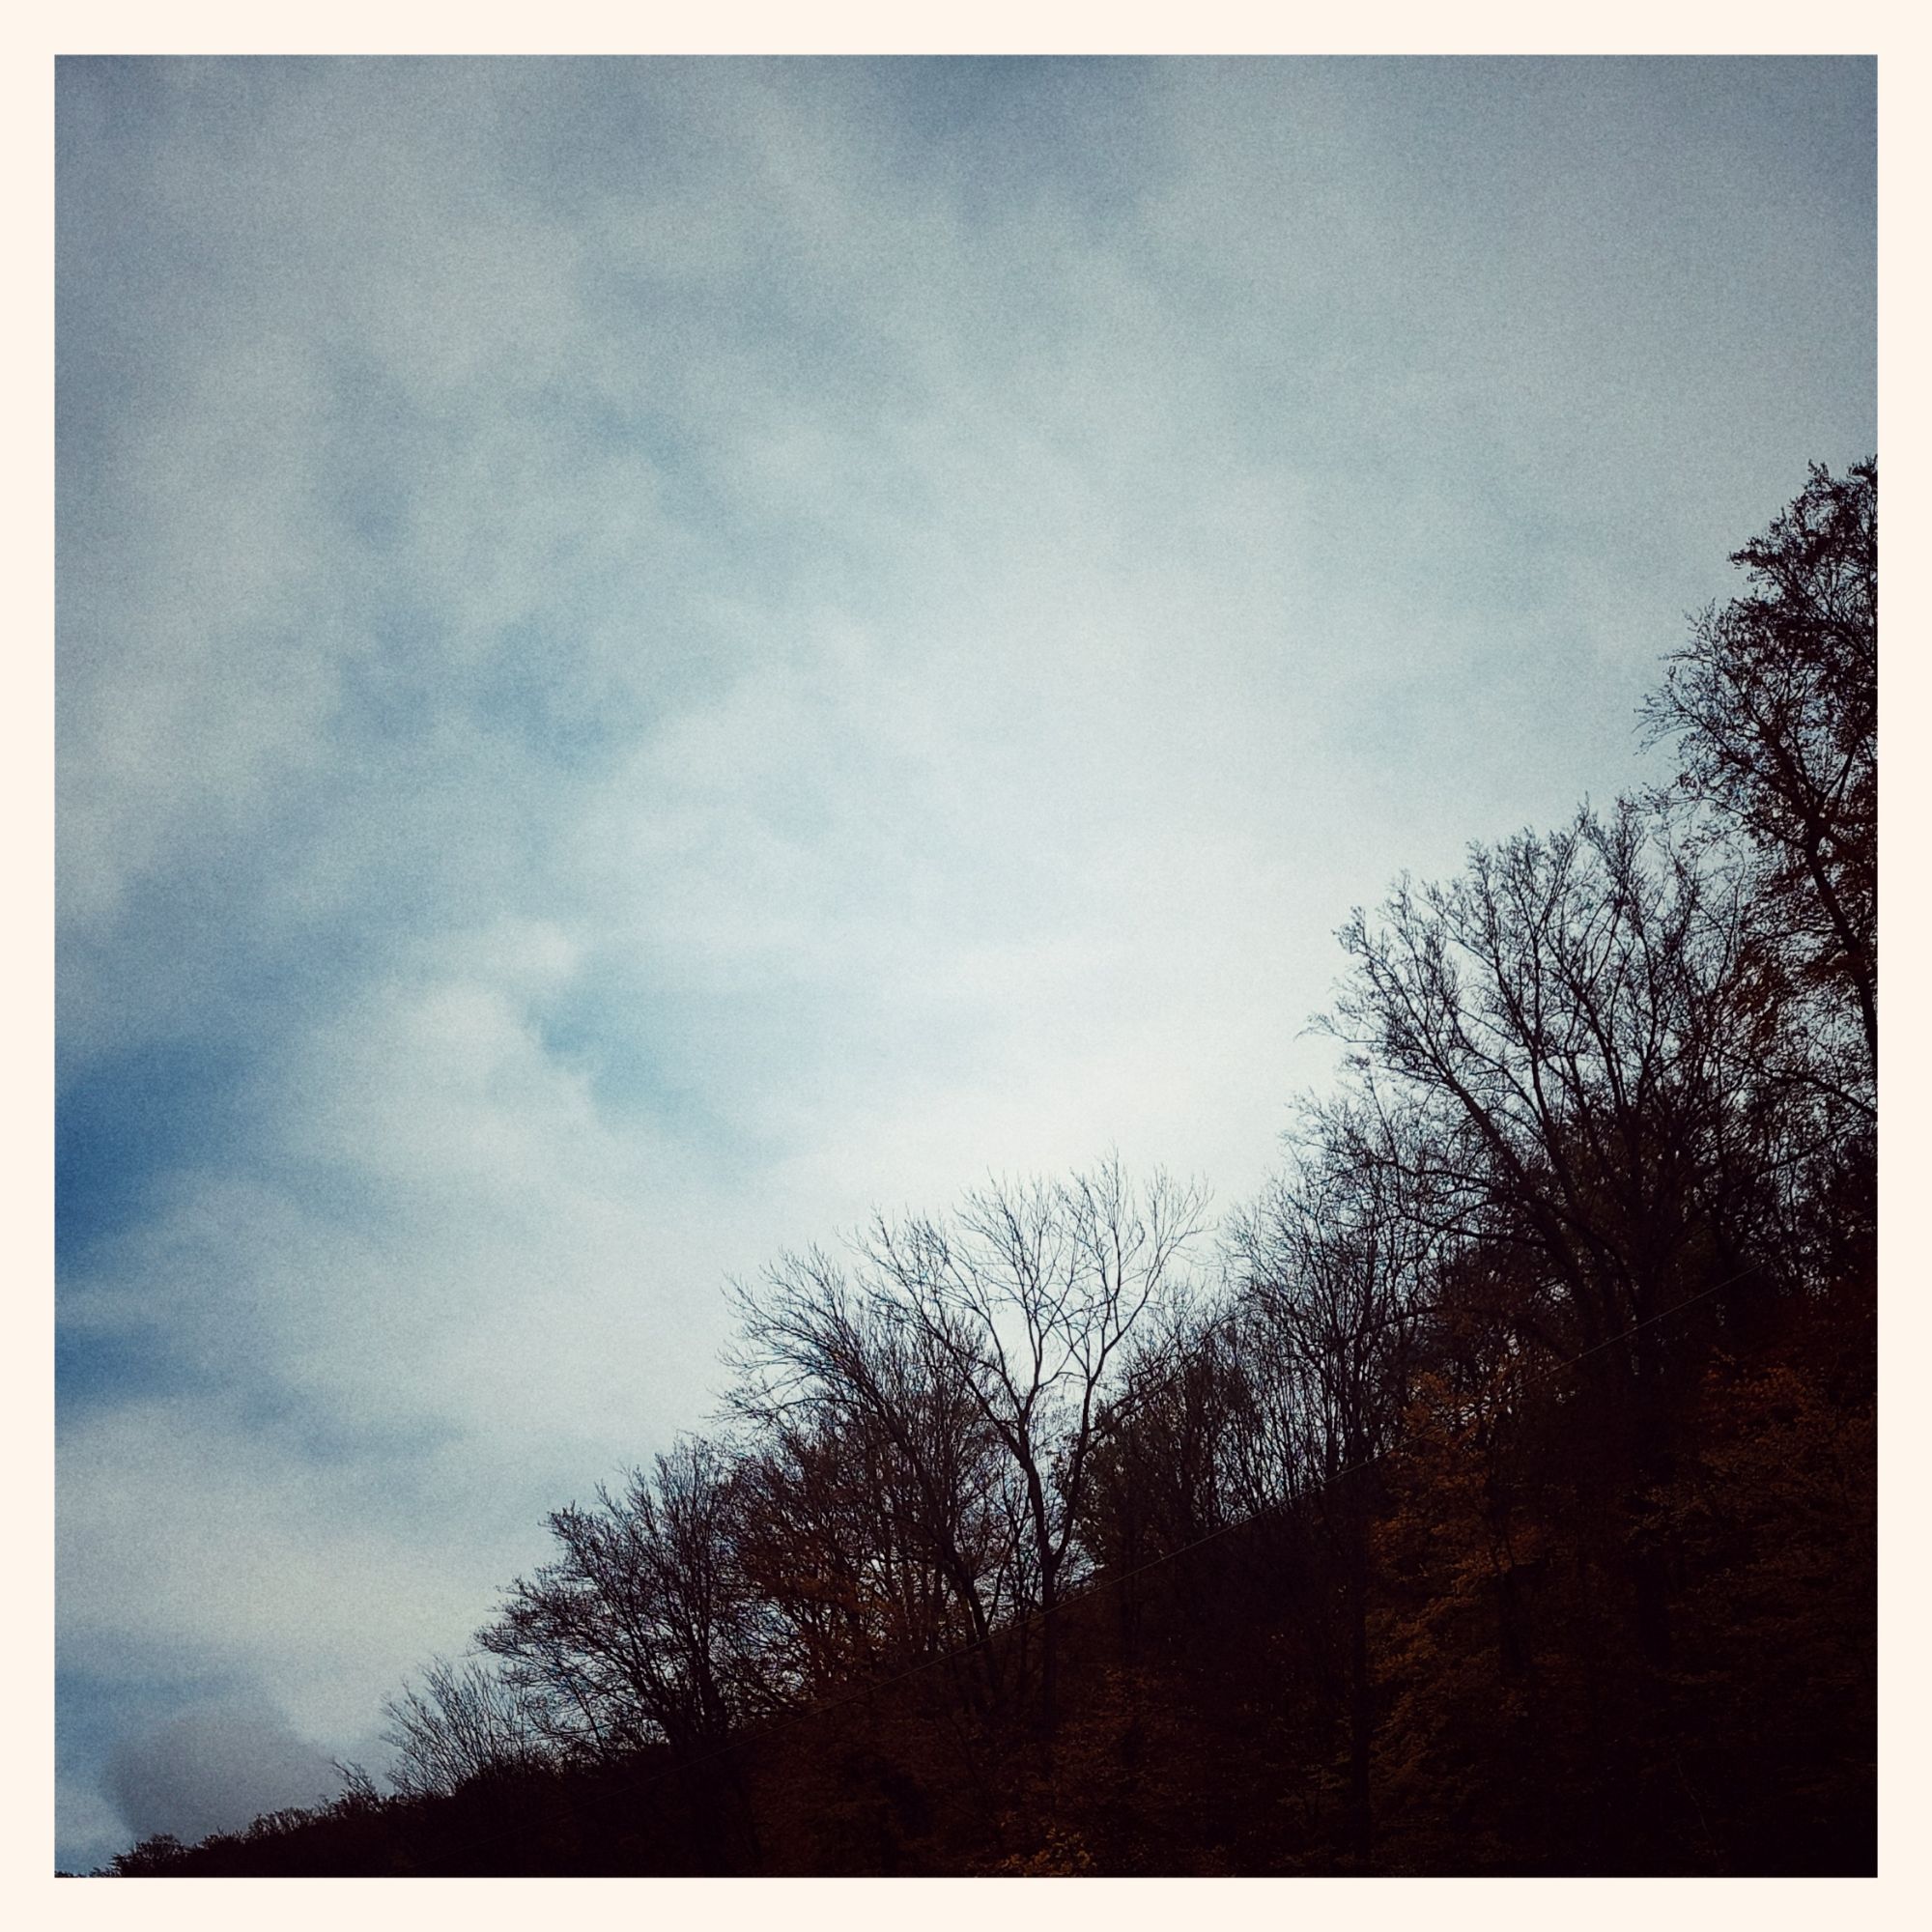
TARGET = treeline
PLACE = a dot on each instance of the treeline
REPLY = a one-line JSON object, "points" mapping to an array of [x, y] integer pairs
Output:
{"points": [[1495, 1493]]}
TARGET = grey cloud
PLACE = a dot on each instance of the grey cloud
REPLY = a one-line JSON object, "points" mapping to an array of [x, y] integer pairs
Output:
{"points": [[214, 1770]]}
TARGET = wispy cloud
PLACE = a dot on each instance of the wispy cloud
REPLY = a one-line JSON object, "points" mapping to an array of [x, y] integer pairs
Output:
{"points": [[654, 653]]}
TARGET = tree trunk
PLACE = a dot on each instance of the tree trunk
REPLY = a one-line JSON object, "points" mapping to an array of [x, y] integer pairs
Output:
{"points": [[1361, 1692]]}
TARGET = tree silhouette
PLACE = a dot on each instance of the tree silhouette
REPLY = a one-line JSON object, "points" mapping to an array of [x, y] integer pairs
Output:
{"points": [[1773, 704]]}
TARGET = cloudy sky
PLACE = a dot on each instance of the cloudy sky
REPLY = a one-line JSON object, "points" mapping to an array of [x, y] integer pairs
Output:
{"points": [[651, 655]]}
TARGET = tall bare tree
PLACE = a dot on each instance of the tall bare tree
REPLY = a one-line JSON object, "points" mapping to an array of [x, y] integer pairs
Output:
{"points": [[1029, 1292], [1578, 1015], [834, 1388], [1773, 704]]}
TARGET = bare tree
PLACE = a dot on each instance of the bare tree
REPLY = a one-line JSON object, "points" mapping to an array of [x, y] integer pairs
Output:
{"points": [[963, 1361], [1028, 1293], [1163, 1456], [849, 1573], [628, 1635], [464, 1722], [832, 1388], [1773, 704], [1579, 1019], [1332, 1268], [1573, 1014]]}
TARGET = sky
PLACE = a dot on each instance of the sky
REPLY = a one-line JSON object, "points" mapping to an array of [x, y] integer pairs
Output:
{"points": [[654, 655]]}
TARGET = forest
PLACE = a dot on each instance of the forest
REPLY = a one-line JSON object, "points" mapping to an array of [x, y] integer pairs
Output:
{"points": [[1493, 1495]]}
